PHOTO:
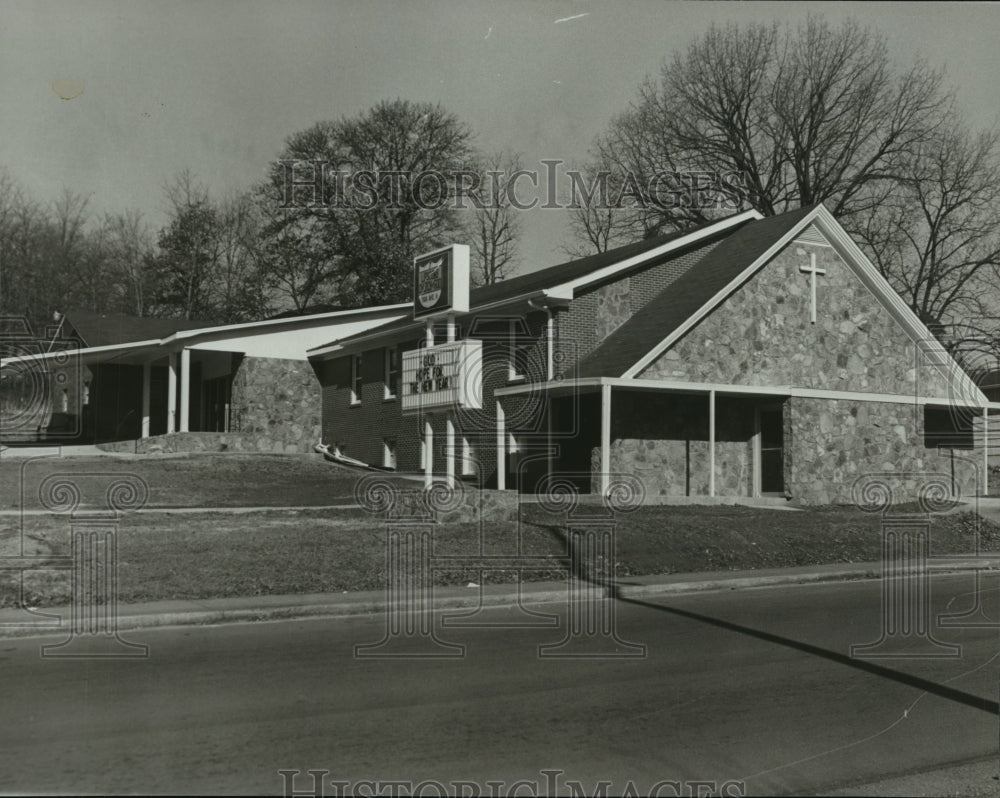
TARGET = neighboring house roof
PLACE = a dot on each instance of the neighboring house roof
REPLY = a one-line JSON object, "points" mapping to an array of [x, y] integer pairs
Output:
{"points": [[566, 277], [685, 295], [312, 310], [108, 329]]}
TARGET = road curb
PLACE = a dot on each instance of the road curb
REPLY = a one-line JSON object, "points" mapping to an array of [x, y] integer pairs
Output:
{"points": [[334, 609], [740, 583], [344, 606]]}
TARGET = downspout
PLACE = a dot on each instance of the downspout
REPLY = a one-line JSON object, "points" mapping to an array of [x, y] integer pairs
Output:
{"points": [[549, 364]]}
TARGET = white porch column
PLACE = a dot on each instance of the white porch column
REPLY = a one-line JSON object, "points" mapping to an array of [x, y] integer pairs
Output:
{"points": [[711, 443], [605, 438], [986, 451], [501, 448], [185, 388], [548, 431], [171, 391], [146, 369], [449, 445], [550, 367], [428, 453]]}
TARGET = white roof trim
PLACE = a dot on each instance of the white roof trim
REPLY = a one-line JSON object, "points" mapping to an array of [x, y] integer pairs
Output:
{"points": [[110, 348], [291, 321], [734, 389], [968, 392], [209, 332], [677, 243]]}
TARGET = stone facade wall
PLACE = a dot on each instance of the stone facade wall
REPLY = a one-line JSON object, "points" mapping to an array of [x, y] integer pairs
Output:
{"points": [[828, 445], [831, 444], [762, 335], [663, 440], [202, 442], [277, 398]]}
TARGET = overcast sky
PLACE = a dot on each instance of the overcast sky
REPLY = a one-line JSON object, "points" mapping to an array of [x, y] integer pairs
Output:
{"points": [[217, 85]]}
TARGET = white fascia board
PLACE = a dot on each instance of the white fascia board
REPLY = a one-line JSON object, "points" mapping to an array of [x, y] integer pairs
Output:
{"points": [[698, 235], [294, 321], [112, 349], [732, 389]]}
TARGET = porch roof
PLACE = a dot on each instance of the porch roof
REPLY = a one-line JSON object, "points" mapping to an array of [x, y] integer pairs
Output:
{"points": [[590, 384]]}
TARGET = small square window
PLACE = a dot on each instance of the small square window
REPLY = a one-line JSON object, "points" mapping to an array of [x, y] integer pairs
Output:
{"points": [[389, 453], [516, 368], [356, 380], [468, 458], [391, 372]]}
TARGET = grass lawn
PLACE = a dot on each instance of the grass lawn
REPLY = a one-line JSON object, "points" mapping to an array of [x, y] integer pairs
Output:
{"points": [[201, 480], [164, 556]]}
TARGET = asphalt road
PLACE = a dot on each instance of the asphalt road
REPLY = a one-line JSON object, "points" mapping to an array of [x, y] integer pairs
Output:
{"points": [[754, 686]]}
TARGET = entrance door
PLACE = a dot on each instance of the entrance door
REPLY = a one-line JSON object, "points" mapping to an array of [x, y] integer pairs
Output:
{"points": [[771, 465]]}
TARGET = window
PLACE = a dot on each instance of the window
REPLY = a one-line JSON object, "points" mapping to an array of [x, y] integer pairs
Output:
{"points": [[516, 370], [86, 392], [468, 458], [391, 372], [65, 401], [389, 453], [944, 427], [356, 380]]}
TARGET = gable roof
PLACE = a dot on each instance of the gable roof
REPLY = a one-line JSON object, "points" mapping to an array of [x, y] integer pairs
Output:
{"points": [[564, 278], [730, 264], [685, 295], [108, 329]]}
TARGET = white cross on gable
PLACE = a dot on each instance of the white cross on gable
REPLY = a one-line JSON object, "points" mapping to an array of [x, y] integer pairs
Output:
{"points": [[812, 270]]}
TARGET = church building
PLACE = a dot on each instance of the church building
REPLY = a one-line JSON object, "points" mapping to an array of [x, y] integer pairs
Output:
{"points": [[750, 357]]}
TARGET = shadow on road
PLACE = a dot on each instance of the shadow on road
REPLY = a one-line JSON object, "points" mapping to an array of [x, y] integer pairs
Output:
{"points": [[867, 666], [578, 568]]}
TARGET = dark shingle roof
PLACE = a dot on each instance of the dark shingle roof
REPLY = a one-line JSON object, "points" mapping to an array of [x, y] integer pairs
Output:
{"points": [[312, 310], [683, 297], [570, 270], [546, 278], [107, 329]]}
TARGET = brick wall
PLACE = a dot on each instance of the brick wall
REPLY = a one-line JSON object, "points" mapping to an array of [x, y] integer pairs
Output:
{"points": [[598, 312]]}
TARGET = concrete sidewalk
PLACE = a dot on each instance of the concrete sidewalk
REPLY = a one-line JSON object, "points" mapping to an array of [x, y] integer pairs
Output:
{"points": [[180, 612]]}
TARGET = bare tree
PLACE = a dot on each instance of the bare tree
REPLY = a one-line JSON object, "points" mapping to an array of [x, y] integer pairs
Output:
{"points": [[771, 118], [596, 222], [238, 292], [495, 227], [129, 251], [936, 235]]}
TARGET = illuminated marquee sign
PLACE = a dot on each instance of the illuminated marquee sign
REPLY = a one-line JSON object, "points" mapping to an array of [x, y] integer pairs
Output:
{"points": [[448, 375], [441, 282]]}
